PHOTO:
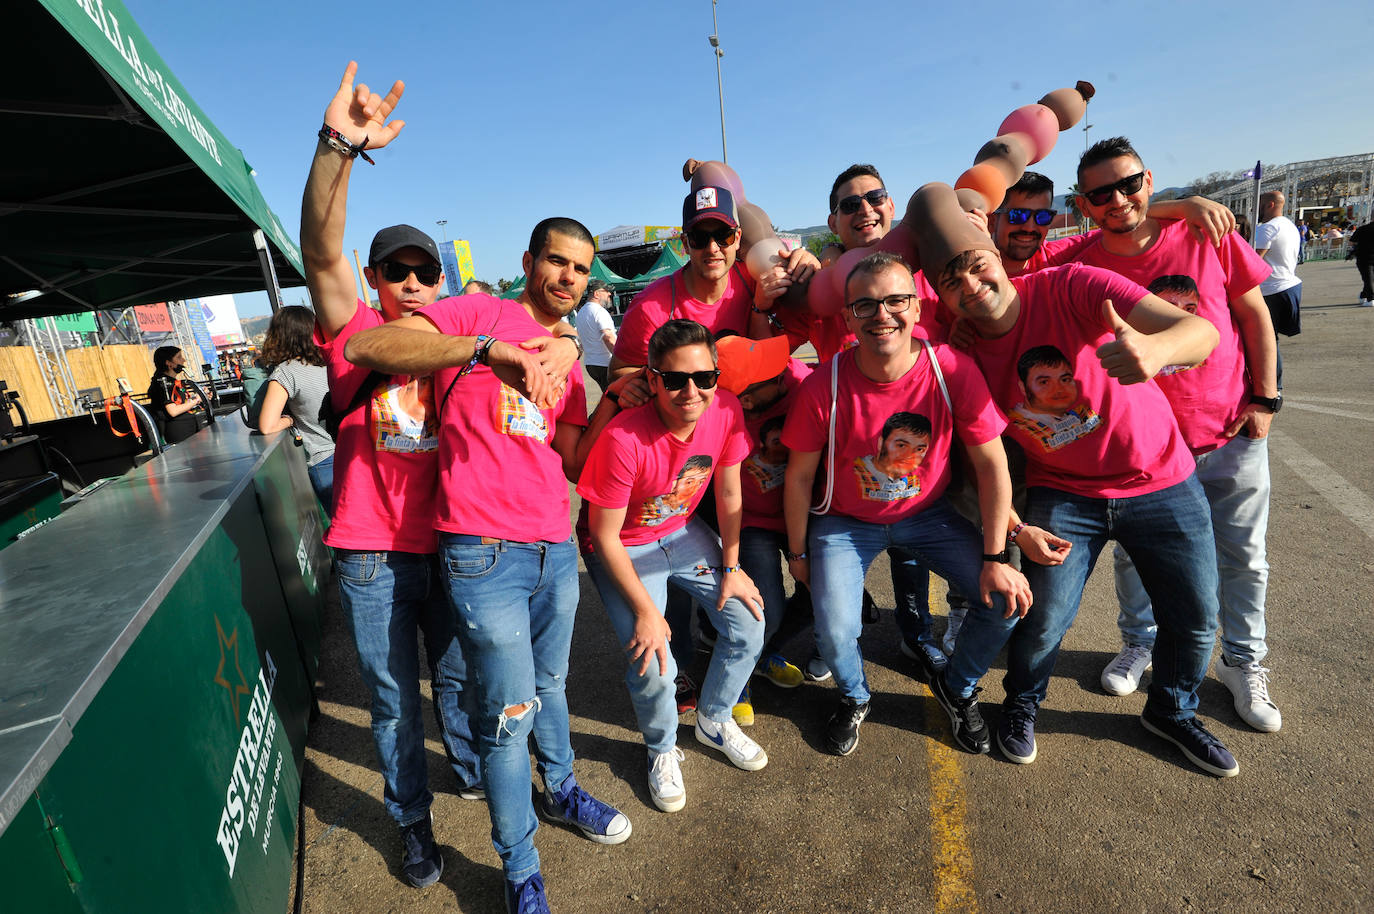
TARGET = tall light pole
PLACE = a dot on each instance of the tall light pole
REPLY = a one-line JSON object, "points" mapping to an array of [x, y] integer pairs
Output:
{"points": [[1086, 128], [443, 232], [714, 38]]}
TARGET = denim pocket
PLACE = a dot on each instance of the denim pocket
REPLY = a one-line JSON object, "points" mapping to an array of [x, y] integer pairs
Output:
{"points": [[470, 561], [358, 567]]}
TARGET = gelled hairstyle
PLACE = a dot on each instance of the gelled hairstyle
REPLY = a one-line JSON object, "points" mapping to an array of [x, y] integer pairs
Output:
{"points": [[674, 335]]}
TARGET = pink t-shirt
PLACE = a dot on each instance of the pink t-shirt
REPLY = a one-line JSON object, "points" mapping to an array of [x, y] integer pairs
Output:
{"points": [[883, 479], [637, 464], [386, 458], [761, 474], [830, 335], [1084, 432], [1053, 253], [667, 299], [1206, 398], [498, 472]]}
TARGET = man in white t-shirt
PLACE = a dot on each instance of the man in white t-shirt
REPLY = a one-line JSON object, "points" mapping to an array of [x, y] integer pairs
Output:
{"points": [[597, 330], [1277, 241]]}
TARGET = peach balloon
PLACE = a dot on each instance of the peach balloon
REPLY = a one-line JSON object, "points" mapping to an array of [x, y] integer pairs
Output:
{"points": [[1009, 154], [987, 180], [1037, 122], [718, 174], [762, 257]]}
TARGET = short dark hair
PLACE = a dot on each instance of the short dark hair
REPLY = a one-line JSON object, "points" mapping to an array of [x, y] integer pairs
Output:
{"points": [[162, 355], [483, 287], [1033, 183], [1049, 356], [1177, 283], [856, 170], [915, 423], [1113, 147], [570, 228], [960, 262], [775, 423], [594, 286], [875, 263], [678, 333], [696, 462]]}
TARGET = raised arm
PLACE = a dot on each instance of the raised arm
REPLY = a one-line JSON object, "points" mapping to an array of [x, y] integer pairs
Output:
{"points": [[355, 113], [1208, 220]]}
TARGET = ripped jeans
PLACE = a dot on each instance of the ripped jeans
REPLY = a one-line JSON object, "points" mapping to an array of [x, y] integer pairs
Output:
{"points": [[515, 604]]}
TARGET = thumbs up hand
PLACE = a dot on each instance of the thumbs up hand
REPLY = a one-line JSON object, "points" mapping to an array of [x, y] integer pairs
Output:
{"points": [[1130, 358]]}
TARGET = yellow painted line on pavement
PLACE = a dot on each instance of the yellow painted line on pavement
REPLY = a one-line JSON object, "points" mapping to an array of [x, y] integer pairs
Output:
{"points": [[951, 849]]}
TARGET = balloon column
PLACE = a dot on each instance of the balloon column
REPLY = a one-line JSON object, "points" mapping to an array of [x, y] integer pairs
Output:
{"points": [[759, 245], [1025, 137]]}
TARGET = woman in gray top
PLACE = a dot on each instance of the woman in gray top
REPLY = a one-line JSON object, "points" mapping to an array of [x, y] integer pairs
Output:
{"points": [[296, 387]]}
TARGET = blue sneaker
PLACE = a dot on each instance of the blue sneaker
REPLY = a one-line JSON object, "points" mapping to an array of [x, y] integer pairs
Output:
{"points": [[1201, 748], [571, 805], [1016, 733], [930, 660], [527, 897], [422, 863]]}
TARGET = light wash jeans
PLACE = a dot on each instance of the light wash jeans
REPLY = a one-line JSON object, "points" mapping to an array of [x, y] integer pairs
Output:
{"points": [[678, 558], [515, 604], [388, 598], [1235, 478]]}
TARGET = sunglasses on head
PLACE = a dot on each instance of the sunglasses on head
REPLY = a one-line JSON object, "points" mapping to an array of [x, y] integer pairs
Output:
{"points": [[850, 205], [864, 308], [427, 273], [1019, 216], [1101, 196], [700, 237], [676, 380]]}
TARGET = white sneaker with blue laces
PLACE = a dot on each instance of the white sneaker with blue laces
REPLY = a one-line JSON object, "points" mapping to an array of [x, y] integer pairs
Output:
{"points": [[728, 738]]}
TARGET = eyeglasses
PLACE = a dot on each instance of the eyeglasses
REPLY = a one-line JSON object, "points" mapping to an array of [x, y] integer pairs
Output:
{"points": [[676, 380], [850, 205], [1019, 216], [1101, 196], [427, 273], [864, 308], [699, 237]]}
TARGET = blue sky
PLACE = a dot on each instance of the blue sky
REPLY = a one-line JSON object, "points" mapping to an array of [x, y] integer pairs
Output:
{"points": [[524, 110]]}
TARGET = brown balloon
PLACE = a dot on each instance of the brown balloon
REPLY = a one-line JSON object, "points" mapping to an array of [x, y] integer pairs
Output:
{"points": [[754, 223], [1068, 106], [689, 168], [1009, 154], [718, 174], [969, 200], [942, 230], [901, 240]]}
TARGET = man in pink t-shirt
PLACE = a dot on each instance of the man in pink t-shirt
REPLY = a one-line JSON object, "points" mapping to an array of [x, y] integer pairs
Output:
{"points": [[642, 482], [508, 441], [886, 416], [1224, 407], [1073, 350]]}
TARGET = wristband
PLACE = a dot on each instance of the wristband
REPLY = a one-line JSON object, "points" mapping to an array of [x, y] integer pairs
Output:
{"points": [[480, 352], [576, 342], [727, 569], [1016, 531], [340, 144], [613, 397], [795, 556], [1002, 557]]}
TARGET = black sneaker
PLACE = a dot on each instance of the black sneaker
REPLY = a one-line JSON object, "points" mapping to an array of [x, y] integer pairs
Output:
{"points": [[842, 730], [930, 660], [970, 732], [1016, 733], [422, 863], [1201, 748]]}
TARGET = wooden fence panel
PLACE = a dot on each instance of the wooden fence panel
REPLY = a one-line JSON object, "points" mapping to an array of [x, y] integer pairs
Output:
{"points": [[19, 369], [91, 367]]}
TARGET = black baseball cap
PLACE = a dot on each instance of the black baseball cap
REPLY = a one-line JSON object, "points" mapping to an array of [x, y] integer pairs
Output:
{"points": [[391, 239], [709, 203]]}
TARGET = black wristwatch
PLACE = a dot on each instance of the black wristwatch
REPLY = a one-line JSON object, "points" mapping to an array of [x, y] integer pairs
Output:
{"points": [[1004, 557], [576, 342], [1274, 403]]}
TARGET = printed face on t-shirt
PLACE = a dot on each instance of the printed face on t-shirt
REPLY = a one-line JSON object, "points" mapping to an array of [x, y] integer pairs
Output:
{"points": [[1050, 388], [690, 479], [902, 452], [773, 450]]}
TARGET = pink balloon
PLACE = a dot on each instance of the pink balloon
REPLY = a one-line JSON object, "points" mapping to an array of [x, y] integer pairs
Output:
{"points": [[718, 174], [1037, 122], [762, 257]]}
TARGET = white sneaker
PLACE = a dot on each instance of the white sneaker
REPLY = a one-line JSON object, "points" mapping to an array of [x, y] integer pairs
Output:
{"points": [[1367, 303], [1122, 675], [1249, 685], [742, 751], [952, 626], [665, 780]]}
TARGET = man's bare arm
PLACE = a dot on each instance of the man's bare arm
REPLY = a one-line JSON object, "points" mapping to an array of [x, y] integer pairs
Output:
{"points": [[1257, 338]]}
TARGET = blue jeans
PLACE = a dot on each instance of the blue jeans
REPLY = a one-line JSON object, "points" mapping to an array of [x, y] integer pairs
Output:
{"points": [[515, 604], [842, 548], [387, 598], [1235, 478], [322, 481], [739, 636], [911, 589], [1169, 535]]}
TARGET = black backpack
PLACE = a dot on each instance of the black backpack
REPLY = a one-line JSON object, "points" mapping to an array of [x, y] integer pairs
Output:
{"points": [[331, 419]]}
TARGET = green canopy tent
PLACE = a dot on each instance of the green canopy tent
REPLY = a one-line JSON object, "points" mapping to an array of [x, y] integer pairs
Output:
{"points": [[669, 261], [599, 271], [115, 187], [515, 289]]}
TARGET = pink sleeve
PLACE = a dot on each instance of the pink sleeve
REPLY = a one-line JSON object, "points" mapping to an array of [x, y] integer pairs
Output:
{"points": [[807, 428], [344, 376], [573, 406], [1064, 250], [1089, 286], [609, 473], [736, 445], [977, 420], [454, 316], [1243, 267], [632, 343]]}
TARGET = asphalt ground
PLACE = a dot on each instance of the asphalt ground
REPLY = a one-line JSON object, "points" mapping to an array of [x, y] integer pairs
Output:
{"points": [[1109, 818]]}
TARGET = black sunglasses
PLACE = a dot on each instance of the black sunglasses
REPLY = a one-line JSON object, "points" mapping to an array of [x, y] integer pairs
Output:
{"points": [[676, 380], [864, 308], [1101, 196], [699, 237], [1019, 216], [427, 273], [850, 205]]}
